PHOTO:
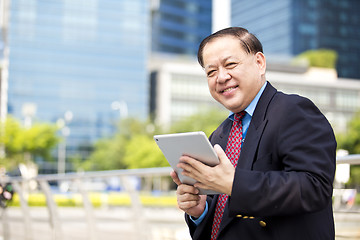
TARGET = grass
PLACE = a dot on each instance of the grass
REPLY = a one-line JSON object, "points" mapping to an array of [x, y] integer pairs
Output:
{"points": [[106, 199], [98, 199]]}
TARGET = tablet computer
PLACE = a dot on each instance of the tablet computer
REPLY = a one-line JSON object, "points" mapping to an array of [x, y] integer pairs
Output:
{"points": [[193, 144]]}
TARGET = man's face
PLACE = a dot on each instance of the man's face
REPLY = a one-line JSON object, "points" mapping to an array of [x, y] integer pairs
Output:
{"points": [[234, 76]]}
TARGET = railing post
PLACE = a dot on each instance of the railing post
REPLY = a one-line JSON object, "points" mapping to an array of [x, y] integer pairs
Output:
{"points": [[141, 228], [25, 209], [5, 223], [53, 213], [90, 216]]}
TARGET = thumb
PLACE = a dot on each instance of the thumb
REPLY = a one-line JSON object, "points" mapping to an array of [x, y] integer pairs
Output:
{"points": [[221, 154], [175, 178]]}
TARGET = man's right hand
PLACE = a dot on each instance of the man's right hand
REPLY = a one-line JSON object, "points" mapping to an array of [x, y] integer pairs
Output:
{"points": [[188, 198]]}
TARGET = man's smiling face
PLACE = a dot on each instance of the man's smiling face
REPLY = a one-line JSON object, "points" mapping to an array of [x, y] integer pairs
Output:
{"points": [[234, 76]]}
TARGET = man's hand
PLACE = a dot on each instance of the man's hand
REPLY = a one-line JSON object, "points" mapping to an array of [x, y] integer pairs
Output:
{"points": [[219, 178], [188, 198]]}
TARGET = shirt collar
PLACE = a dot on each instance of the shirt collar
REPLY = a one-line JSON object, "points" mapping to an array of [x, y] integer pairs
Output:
{"points": [[251, 108]]}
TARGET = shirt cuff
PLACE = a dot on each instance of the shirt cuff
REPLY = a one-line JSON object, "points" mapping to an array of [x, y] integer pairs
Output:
{"points": [[199, 220]]}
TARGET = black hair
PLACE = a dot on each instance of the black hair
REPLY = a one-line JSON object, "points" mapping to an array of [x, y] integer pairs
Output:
{"points": [[248, 41]]}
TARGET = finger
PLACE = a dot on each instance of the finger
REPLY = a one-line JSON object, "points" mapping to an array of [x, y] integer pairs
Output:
{"points": [[187, 189], [175, 177], [187, 205], [191, 165], [201, 185], [188, 198], [220, 152]]}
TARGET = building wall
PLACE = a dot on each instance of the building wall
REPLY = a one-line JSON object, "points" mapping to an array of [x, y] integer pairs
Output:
{"points": [[270, 21], [289, 27], [79, 56], [178, 26], [182, 91]]}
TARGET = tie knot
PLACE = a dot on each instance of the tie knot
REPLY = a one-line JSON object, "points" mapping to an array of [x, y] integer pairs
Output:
{"points": [[239, 116]]}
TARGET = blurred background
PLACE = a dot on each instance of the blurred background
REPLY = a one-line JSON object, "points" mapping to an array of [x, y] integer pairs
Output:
{"points": [[85, 84]]}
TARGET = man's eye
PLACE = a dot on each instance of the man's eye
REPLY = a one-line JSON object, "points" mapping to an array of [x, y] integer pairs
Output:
{"points": [[231, 64], [211, 73]]}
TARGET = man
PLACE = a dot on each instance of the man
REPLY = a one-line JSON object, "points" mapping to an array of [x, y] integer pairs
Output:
{"points": [[280, 185]]}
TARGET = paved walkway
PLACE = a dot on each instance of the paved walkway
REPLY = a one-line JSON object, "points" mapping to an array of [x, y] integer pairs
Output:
{"points": [[116, 224], [111, 223]]}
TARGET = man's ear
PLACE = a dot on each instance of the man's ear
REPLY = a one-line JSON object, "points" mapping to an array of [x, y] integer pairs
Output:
{"points": [[261, 62]]}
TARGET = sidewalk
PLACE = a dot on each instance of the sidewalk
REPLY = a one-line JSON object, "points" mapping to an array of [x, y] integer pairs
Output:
{"points": [[111, 224], [117, 223]]}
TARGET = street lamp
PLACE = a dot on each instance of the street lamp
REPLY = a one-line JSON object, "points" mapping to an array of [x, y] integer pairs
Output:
{"points": [[65, 132], [121, 107]]}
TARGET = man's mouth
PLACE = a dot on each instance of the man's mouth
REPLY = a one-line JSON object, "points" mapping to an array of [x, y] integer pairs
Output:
{"points": [[228, 89]]}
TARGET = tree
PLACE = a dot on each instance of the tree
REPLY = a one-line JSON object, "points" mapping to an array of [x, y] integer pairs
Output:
{"points": [[133, 145], [108, 154], [22, 144], [206, 121], [350, 141], [142, 152], [323, 58], [111, 153]]}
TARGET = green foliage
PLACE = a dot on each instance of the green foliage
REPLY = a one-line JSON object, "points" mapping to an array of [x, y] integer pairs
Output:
{"points": [[350, 141], [132, 142], [323, 58], [133, 145], [40, 139], [142, 152], [206, 121], [19, 142], [354, 181], [97, 199], [107, 155]]}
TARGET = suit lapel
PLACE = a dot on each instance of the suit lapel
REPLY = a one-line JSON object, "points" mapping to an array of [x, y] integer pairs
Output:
{"points": [[222, 137], [249, 149], [253, 136], [256, 128]]}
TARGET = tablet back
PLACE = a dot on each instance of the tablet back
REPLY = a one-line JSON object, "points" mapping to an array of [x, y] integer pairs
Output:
{"points": [[193, 144]]}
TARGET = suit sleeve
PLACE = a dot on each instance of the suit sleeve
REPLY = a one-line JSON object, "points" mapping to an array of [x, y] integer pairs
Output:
{"points": [[293, 169]]}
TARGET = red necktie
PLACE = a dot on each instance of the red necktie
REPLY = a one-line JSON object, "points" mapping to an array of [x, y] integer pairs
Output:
{"points": [[232, 151]]}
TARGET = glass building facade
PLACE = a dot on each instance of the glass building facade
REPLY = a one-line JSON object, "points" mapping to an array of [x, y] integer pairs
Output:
{"points": [[178, 26], [289, 27], [84, 57]]}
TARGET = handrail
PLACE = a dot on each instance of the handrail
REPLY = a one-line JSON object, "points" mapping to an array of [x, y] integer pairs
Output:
{"points": [[350, 159], [141, 172], [79, 177]]}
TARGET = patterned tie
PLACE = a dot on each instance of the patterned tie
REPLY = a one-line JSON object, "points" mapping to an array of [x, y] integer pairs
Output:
{"points": [[232, 151]]}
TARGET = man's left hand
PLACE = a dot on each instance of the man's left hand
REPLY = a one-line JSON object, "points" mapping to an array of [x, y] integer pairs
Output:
{"points": [[218, 178]]}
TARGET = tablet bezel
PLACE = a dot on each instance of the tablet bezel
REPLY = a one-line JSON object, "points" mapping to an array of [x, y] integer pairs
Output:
{"points": [[193, 144]]}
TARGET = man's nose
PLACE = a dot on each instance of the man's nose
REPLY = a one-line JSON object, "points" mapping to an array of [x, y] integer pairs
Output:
{"points": [[223, 75]]}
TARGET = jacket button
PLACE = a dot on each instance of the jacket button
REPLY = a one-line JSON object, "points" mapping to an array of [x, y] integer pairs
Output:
{"points": [[262, 223]]}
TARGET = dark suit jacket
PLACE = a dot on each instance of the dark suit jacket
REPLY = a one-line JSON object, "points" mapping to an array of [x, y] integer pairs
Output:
{"points": [[284, 178]]}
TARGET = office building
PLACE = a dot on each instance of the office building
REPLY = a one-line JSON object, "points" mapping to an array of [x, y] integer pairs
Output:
{"points": [[78, 62], [179, 89], [290, 27], [178, 26]]}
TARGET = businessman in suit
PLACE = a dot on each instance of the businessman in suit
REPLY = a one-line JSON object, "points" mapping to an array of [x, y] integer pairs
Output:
{"points": [[276, 152]]}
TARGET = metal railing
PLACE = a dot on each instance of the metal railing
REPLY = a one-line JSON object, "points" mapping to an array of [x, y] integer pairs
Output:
{"points": [[78, 180]]}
